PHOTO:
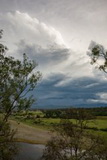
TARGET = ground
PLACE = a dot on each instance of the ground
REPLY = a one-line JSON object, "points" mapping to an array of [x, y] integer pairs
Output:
{"points": [[29, 134], [33, 129]]}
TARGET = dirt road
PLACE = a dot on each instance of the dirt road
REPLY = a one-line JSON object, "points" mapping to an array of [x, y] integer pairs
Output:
{"points": [[29, 134]]}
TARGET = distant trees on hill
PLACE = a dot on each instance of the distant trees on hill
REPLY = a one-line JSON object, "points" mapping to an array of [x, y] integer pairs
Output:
{"points": [[71, 113]]}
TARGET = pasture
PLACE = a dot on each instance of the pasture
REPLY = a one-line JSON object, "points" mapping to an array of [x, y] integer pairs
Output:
{"points": [[37, 119]]}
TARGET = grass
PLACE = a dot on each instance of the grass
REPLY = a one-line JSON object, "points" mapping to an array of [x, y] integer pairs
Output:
{"points": [[48, 122], [98, 123], [102, 117], [97, 126], [41, 123], [41, 126]]}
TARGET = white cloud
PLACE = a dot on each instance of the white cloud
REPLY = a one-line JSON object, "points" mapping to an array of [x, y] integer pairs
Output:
{"points": [[44, 43], [102, 96], [19, 25], [91, 85]]}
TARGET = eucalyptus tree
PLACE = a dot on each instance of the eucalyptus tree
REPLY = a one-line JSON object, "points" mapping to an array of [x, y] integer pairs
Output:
{"points": [[72, 141], [17, 79], [98, 55]]}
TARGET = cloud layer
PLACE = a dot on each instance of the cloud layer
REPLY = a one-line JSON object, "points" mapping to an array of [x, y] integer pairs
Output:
{"points": [[22, 26], [43, 43], [81, 92], [68, 77]]}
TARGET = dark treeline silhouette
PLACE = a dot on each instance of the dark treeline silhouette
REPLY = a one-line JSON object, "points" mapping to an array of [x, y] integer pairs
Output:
{"points": [[72, 112]]}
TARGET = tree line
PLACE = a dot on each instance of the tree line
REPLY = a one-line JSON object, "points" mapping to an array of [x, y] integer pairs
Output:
{"points": [[71, 113]]}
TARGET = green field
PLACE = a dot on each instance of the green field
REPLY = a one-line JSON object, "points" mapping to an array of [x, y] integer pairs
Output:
{"points": [[37, 120], [99, 126], [34, 125], [99, 122]]}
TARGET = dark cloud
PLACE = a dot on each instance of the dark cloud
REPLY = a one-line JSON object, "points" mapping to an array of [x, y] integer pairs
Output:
{"points": [[78, 20], [51, 55], [82, 92]]}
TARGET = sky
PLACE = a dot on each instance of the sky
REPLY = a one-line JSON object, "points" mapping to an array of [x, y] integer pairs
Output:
{"points": [[57, 35]]}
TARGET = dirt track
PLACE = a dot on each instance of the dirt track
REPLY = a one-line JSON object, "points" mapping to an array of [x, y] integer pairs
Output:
{"points": [[30, 134]]}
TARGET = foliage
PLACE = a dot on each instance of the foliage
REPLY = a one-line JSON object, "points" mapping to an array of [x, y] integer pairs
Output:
{"points": [[98, 56], [69, 113], [53, 113], [32, 117], [72, 142], [17, 79], [8, 147]]}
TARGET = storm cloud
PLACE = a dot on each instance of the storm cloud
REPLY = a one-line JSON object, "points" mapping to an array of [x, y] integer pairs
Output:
{"points": [[82, 92], [57, 34]]}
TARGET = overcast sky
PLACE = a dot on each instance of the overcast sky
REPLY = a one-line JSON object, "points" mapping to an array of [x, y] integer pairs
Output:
{"points": [[57, 34]]}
